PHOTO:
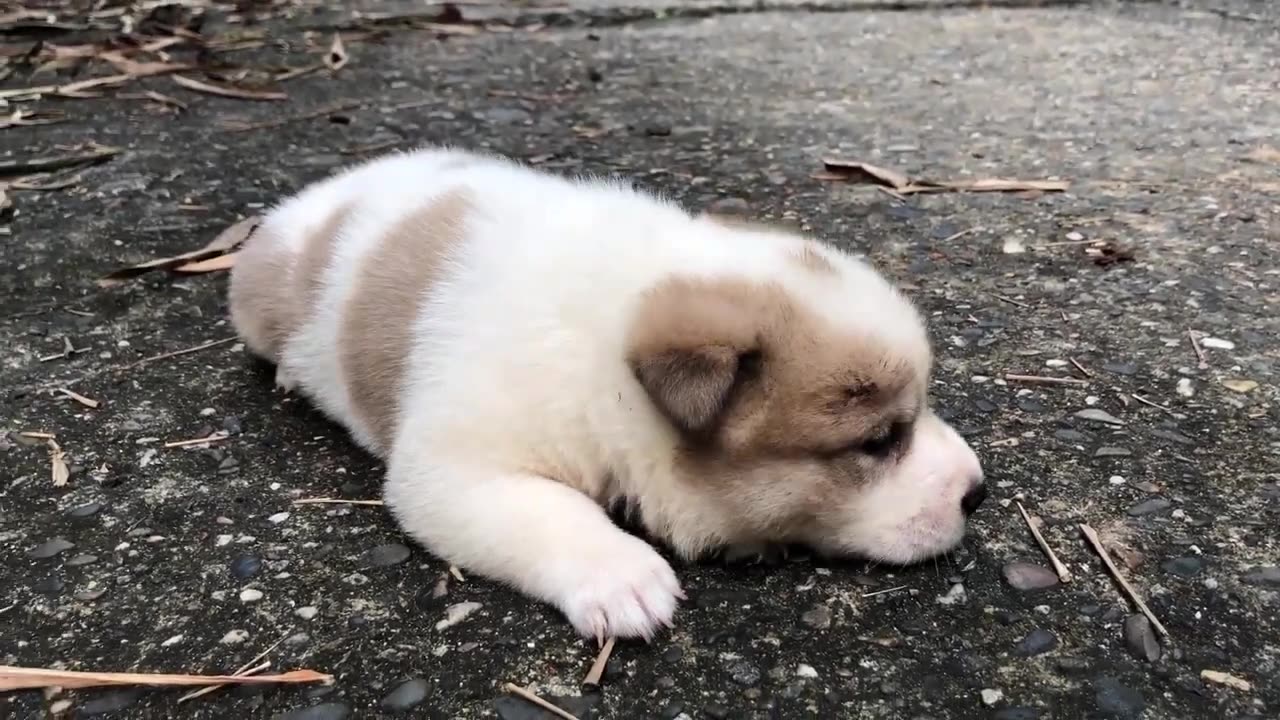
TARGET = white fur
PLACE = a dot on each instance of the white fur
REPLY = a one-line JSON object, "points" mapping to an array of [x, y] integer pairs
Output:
{"points": [[518, 368]]}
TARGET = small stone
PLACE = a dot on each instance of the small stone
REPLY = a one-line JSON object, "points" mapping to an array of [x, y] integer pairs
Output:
{"points": [[297, 640], [1149, 507], [1029, 576], [1183, 567], [307, 613], [673, 654], [1037, 642], [1112, 451], [58, 707], [1263, 575], [222, 540], [991, 696], [86, 510], [1240, 385], [818, 617], [1172, 436], [235, 637], [356, 579], [1185, 388], [1120, 368], [1071, 665], [323, 711], [455, 614], [1140, 638], [1217, 343], [1100, 416], [744, 673], [1118, 700], [715, 711], [387, 555], [954, 595], [407, 695], [1013, 246], [250, 595], [1071, 436], [50, 548], [1074, 236], [231, 424], [82, 559], [208, 412], [1116, 480], [245, 567], [278, 518], [728, 206], [89, 595], [170, 642], [806, 671]]}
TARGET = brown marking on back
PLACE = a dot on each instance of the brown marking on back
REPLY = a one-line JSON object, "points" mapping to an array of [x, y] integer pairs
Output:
{"points": [[779, 438], [313, 259], [376, 335], [261, 305]]}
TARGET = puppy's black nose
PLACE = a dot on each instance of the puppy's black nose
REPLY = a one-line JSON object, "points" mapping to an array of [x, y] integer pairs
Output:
{"points": [[972, 499]]}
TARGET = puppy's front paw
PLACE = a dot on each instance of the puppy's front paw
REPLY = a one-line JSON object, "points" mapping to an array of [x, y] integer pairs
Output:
{"points": [[622, 589], [285, 381]]}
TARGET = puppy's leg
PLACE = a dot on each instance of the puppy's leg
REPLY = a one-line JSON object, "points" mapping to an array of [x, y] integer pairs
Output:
{"points": [[544, 538]]}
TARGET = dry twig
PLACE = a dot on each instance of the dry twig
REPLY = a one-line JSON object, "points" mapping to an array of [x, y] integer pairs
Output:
{"points": [[215, 437], [247, 669], [1084, 371], [85, 401], [335, 501], [1195, 345], [20, 678], [1092, 536], [1063, 573], [229, 91], [1045, 380], [59, 472], [597, 667]]}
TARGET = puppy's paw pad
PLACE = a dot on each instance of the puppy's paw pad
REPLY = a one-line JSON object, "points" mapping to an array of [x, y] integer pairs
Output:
{"points": [[628, 591]]}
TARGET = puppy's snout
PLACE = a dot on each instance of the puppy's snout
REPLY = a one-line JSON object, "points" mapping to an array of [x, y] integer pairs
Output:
{"points": [[973, 499]]}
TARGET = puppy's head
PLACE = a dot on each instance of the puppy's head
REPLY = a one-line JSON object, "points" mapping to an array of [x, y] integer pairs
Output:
{"points": [[800, 411]]}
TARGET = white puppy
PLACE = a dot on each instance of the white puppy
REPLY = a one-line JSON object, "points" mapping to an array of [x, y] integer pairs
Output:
{"points": [[526, 350]]}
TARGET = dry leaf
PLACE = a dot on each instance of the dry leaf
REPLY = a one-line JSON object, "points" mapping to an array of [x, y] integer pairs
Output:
{"points": [[228, 90], [1240, 386], [861, 172], [226, 241], [1221, 678], [336, 58], [213, 264], [855, 171], [19, 678], [58, 462]]}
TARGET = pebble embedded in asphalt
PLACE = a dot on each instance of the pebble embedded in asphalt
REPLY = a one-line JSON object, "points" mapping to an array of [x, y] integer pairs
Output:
{"points": [[407, 695], [1037, 642], [1029, 576], [386, 555], [323, 711], [1183, 566], [1149, 507], [49, 548], [1118, 700], [1140, 638], [245, 567]]}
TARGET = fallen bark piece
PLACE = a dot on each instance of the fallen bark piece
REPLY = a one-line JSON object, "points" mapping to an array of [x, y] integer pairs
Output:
{"points": [[20, 678], [861, 172], [25, 166], [213, 264], [226, 241], [1221, 678]]}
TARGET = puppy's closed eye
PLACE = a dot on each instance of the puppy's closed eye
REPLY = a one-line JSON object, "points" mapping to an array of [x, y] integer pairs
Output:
{"points": [[884, 442]]}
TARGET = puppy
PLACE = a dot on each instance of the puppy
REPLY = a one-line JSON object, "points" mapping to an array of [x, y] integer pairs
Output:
{"points": [[525, 351]]}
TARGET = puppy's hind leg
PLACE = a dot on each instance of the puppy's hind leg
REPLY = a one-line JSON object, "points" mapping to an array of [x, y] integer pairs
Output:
{"points": [[545, 538]]}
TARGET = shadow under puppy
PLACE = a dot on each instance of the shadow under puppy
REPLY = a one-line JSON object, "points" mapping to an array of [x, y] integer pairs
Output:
{"points": [[525, 350]]}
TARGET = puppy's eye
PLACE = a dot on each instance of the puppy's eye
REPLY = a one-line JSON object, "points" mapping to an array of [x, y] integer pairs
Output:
{"points": [[885, 442]]}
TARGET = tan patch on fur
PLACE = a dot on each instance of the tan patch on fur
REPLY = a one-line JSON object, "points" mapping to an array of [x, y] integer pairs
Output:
{"points": [[377, 323], [316, 252], [260, 304], [773, 436]]}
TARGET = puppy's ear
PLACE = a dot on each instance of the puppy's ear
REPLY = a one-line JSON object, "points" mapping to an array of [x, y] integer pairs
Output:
{"points": [[693, 343], [692, 386]]}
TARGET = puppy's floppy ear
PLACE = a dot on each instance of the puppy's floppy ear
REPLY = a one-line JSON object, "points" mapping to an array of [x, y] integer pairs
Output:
{"points": [[691, 386], [693, 342]]}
